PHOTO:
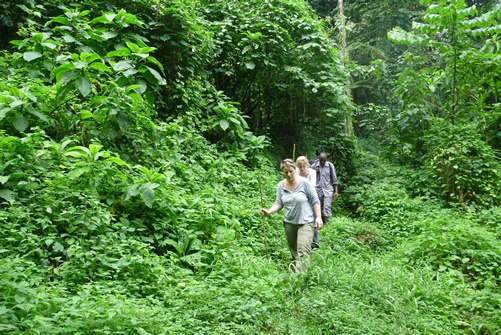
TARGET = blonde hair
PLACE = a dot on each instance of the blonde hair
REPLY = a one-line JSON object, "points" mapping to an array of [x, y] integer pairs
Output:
{"points": [[302, 161], [287, 163]]}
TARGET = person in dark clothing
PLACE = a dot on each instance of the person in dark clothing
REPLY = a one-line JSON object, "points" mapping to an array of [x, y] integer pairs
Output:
{"points": [[314, 160]]}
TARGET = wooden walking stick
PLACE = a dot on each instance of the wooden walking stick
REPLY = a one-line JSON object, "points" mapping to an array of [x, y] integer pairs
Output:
{"points": [[262, 206], [294, 153]]}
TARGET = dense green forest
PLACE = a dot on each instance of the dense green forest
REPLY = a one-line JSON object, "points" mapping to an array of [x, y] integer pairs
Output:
{"points": [[132, 134]]}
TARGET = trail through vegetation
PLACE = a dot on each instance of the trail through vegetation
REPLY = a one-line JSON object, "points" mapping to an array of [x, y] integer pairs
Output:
{"points": [[132, 132]]}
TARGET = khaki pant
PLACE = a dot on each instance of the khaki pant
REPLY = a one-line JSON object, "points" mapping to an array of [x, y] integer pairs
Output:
{"points": [[325, 206], [299, 238]]}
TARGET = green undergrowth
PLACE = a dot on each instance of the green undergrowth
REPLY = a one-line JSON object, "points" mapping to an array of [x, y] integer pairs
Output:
{"points": [[398, 265], [130, 193]]}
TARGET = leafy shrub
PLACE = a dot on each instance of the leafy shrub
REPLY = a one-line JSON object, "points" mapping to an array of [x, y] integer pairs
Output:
{"points": [[31, 305], [343, 152], [464, 168], [454, 244], [490, 218], [349, 236], [19, 297], [390, 208]]}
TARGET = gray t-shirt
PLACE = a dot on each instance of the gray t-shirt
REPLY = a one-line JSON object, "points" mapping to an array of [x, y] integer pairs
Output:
{"points": [[298, 203]]}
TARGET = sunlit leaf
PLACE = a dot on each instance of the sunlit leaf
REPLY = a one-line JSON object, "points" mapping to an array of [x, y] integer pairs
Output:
{"points": [[250, 65], [31, 55], [84, 85], [224, 124], [20, 122]]}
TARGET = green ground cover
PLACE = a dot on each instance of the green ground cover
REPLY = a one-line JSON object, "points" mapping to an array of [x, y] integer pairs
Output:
{"points": [[398, 267]]}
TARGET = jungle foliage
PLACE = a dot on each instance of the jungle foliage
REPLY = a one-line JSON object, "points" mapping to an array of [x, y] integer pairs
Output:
{"points": [[445, 58], [132, 133]]}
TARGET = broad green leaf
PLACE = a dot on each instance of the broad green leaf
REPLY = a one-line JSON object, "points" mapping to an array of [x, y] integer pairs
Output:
{"points": [[4, 179], [101, 19], [7, 194], [49, 45], [148, 193], [86, 115], [67, 77], [157, 176], [224, 124], [100, 66], [133, 47], [146, 50], [20, 122], [61, 19], [131, 19], [77, 151], [78, 172], [3, 166], [143, 169], [84, 86], [95, 151], [157, 76], [31, 55], [172, 216], [131, 192], [110, 17], [117, 161], [156, 62], [30, 96], [119, 53], [174, 244], [69, 39], [150, 98], [122, 66], [16, 103], [133, 87], [250, 65], [4, 112], [89, 58], [130, 72], [80, 64], [58, 247], [58, 71], [108, 34], [6, 140], [123, 120], [137, 97], [142, 86], [63, 91]]}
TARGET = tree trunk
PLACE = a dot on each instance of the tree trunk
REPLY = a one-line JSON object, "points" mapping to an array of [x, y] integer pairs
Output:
{"points": [[348, 125], [342, 29]]}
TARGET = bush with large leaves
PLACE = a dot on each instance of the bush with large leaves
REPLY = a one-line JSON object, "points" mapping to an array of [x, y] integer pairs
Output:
{"points": [[280, 66], [88, 76], [451, 70], [462, 165]]}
